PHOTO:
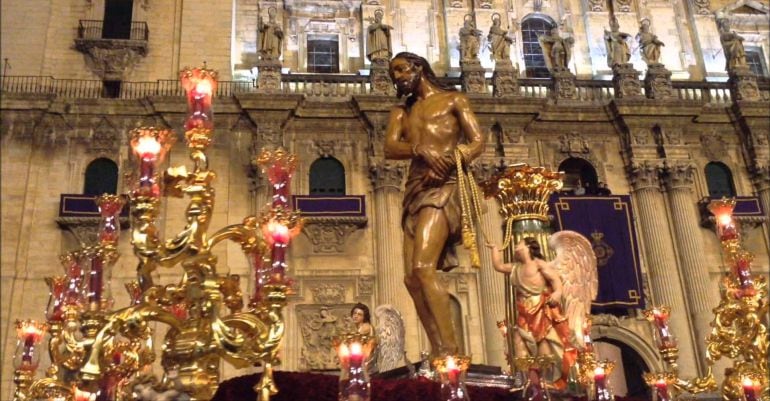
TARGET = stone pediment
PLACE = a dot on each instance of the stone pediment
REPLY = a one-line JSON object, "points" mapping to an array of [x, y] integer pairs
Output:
{"points": [[746, 7]]}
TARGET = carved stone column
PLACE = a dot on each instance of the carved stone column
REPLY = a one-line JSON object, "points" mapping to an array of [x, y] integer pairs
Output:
{"points": [[743, 84], [679, 179], [379, 79], [625, 79], [662, 267], [761, 180], [505, 80], [492, 283], [472, 77], [657, 82], [563, 84], [387, 181]]}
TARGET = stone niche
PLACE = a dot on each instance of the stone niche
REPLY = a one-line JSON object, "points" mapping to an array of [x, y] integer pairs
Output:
{"points": [[324, 20]]}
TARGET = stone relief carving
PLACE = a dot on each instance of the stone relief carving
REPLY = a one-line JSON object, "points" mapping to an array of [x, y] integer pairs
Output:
{"points": [[111, 59], [714, 146], [325, 148], [365, 286], [641, 136], [105, 139], [596, 5], [328, 294], [623, 6], [387, 174], [673, 136], [644, 175], [329, 234], [573, 144], [319, 325], [485, 168], [679, 175]]}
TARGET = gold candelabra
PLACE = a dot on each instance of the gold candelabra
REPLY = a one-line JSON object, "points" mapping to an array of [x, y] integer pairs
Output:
{"points": [[98, 353], [737, 333]]}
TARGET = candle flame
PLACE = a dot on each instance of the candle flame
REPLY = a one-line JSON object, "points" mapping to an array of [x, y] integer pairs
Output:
{"points": [[450, 363], [203, 86], [747, 382], [724, 219], [599, 371], [147, 144], [355, 348]]}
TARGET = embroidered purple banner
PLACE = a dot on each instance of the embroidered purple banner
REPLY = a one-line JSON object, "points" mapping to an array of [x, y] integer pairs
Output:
{"points": [[78, 205], [314, 205], [607, 221]]}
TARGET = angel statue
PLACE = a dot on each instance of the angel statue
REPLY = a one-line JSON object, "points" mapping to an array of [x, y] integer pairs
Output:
{"points": [[553, 298], [557, 50], [390, 338]]}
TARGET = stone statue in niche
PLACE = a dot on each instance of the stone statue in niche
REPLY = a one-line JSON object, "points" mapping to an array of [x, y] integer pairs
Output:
{"points": [[556, 49], [649, 43], [499, 41], [378, 42], [270, 36], [470, 41], [319, 327], [732, 43], [618, 51]]}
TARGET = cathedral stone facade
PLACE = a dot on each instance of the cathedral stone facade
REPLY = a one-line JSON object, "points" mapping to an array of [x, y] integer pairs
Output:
{"points": [[72, 87]]}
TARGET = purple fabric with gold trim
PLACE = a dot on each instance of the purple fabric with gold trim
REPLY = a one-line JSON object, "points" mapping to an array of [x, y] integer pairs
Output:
{"points": [[607, 221]]}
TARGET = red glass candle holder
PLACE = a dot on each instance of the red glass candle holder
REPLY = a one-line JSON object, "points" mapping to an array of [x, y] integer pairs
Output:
{"points": [[354, 384], [722, 209], [199, 84], [73, 293], [29, 333], [150, 146], [658, 316], [742, 271], [109, 209], [451, 371], [279, 166], [57, 285]]}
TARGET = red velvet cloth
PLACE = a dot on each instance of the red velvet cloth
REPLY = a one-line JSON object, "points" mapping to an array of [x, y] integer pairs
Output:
{"points": [[294, 386]]}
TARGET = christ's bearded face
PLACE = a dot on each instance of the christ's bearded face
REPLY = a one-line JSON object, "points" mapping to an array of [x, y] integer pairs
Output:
{"points": [[405, 76]]}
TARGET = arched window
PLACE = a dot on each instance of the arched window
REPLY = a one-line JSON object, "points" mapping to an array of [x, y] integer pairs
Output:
{"points": [[101, 177], [579, 173], [327, 177], [719, 180], [532, 27]]}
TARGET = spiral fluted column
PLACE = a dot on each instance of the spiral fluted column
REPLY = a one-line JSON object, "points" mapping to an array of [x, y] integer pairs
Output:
{"points": [[493, 287], [663, 272], [679, 181], [387, 179]]}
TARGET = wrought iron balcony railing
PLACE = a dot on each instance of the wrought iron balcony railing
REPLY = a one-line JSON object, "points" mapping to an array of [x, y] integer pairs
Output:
{"points": [[96, 29], [340, 85]]}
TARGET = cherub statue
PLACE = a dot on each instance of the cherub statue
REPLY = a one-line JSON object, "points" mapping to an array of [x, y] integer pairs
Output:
{"points": [[556, 49], [553, 298]]}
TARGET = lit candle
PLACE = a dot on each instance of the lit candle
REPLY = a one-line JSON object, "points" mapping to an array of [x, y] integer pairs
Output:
{"points": [[356, 354], [148, 148], [81, 395], [279, 262], [661, 389], [344, 355], [453, 372], [726, 227], [661, 322], [279, 232], [749, 389], [600, 383]]}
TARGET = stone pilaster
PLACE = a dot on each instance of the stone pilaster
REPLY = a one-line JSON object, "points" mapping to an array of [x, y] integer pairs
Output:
{"points": [[269, 135], [657, 82], [505, 80], [269, 78], [679, 179], [472, 77], [661, 266], [387, 181], [563, 84], [743, 84], [761, 180], [379, 79], [625, 80], [491, 282]]}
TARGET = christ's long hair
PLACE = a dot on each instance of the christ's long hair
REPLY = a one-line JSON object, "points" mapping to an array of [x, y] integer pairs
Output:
{"points": [[427, 73]]}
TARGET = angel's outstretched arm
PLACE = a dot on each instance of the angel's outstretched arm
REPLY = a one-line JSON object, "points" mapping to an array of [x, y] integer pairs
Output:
{"points": [[497, 260]]}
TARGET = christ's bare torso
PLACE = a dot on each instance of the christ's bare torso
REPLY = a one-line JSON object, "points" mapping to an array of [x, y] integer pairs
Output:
{"points": [[432, 122]]}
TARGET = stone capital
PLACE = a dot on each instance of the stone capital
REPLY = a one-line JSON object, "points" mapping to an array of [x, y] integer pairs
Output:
{"points": [[760, 177], [679, 175], [645, 175], [386, 174]]}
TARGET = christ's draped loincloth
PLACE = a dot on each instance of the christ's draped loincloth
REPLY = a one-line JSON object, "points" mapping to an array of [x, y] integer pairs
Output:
{"points": [[444, 198]]}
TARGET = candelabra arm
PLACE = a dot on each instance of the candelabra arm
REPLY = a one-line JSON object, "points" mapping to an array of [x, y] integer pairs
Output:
{"points": [[130, 322], [707, 383], [66, 350], [246, 234]]}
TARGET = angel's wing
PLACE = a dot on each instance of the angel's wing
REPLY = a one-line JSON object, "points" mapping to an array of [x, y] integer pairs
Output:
{"points": [[576, 263], [545, 46], [390, 337]]}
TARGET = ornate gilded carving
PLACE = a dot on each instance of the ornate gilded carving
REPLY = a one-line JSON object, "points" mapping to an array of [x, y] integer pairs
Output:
{"points": [[319, 325], [329, 234], [328, 294], [644, 175], [387, 174]]}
